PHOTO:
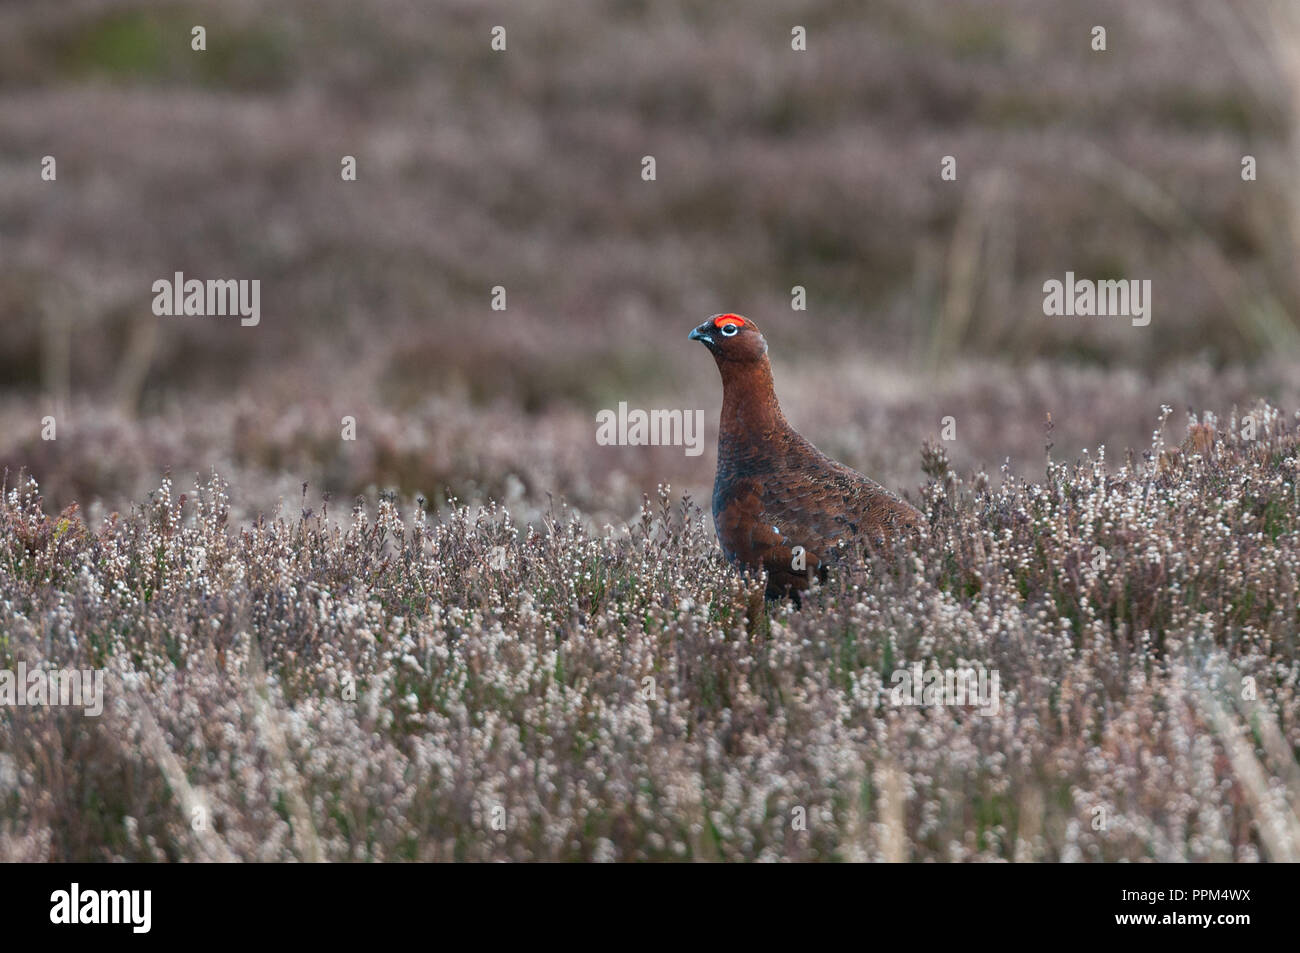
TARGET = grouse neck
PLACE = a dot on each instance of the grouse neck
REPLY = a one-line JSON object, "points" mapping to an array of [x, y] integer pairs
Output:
{"points": [[749, 405]]}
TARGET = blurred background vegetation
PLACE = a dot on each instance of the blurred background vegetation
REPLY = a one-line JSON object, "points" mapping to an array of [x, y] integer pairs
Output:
{"points": [[522, 169]]}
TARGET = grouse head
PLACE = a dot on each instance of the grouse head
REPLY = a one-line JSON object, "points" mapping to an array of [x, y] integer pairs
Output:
{"points": [[732, 340]]}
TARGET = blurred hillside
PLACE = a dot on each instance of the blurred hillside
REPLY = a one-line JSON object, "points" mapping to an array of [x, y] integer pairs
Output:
{"points": [[523, 169]]}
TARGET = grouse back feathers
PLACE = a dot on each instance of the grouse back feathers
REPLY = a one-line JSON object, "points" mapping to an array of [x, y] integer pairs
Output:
{"points": [[779, 503]]}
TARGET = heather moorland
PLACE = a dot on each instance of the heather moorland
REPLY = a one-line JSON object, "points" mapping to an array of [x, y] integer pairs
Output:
{"points": [[364, 585]]}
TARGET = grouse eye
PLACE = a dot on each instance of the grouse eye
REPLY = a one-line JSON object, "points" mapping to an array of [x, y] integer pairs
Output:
{"points": [[729, 330]]}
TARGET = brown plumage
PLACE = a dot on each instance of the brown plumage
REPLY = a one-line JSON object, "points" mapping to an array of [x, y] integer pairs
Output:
{"points": [[779, 503]]}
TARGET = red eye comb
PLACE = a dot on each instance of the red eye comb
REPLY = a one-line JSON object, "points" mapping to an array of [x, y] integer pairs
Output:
{"points": [[722, 320]]}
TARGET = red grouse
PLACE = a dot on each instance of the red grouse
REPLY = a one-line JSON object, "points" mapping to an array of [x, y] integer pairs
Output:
{"points": [[779, 503]]}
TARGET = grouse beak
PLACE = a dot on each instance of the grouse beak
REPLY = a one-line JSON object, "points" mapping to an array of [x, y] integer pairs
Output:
{"points": [[702, 334]]}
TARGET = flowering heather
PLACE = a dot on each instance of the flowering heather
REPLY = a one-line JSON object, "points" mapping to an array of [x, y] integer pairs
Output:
{"points": [[386, 683]]}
